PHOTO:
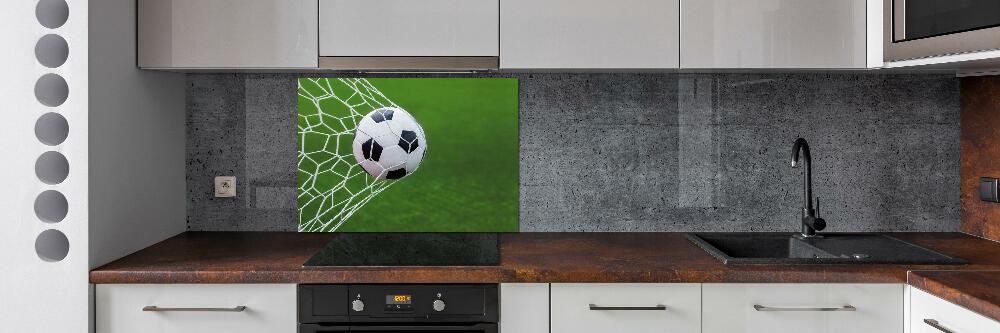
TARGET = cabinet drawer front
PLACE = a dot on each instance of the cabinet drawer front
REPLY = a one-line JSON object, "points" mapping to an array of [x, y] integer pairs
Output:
{"points": [[406, 28], [626, 308], [947, 315], [268, 308], [819, 308]]}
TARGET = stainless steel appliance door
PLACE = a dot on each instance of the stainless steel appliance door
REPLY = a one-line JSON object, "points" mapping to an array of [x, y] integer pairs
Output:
{"points": [[916, 19], [927, 28]]}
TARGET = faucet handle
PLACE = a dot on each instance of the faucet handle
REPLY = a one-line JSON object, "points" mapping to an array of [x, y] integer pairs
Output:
{"points": [[817, 206], [818, 224]]}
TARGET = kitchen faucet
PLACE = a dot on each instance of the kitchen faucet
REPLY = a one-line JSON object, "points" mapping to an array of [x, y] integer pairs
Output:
{"points": [[810, 221]]}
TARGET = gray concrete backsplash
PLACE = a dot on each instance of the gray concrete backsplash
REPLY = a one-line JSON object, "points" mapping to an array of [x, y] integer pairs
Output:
{"points": [[639, 152]]}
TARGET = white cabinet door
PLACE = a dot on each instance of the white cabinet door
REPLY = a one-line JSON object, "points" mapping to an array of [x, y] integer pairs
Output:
{"points": [[270, 308], [589, 34], [930, 314], [625, 308], [227, 33], [409, 28], [524, 308], [777, 308], [773, 34]]}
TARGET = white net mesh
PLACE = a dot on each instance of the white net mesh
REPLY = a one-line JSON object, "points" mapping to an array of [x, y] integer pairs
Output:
{"points": [[332, 186]]}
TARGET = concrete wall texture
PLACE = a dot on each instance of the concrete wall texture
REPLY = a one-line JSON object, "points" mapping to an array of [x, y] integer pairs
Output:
{"points": [[640, 152]]}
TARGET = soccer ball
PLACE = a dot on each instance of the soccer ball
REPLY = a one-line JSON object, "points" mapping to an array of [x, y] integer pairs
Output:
{"points": [[389, 143]]}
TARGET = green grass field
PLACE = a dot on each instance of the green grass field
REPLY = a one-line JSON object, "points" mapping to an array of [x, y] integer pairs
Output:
{"points": [[468, 180]]}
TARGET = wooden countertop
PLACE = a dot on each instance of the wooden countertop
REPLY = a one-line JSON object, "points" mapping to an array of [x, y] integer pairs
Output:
{"points": [[974, 290], [277, 257], [272, 257]]}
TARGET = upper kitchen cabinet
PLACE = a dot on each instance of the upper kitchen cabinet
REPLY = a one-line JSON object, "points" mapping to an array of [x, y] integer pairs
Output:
{"points": [[780, 34], [192, 34], [589, 34], [409, 34]]}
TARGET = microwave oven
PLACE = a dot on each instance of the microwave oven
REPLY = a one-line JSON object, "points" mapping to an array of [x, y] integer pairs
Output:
{"points": [[915, 29]]}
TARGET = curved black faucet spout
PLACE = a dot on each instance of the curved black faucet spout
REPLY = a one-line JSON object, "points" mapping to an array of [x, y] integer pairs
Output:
{"points": [[810, 222], [807, 190]]}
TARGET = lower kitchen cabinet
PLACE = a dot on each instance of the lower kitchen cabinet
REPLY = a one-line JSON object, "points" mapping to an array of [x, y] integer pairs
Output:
{"points": [[190, 308], [569, 307], [930, 314], [802, 308], [524, 308], [625, 307]]}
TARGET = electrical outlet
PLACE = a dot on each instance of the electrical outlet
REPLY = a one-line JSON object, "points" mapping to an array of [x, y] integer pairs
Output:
{"points": [[988, 189], [225, 187]]}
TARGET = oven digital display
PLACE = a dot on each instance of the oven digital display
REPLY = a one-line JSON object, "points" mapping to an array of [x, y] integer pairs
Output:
{"points": [[398, 299]]}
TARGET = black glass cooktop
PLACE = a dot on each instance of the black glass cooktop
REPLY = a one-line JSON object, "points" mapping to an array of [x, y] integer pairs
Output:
{"points": [[409, 249]]}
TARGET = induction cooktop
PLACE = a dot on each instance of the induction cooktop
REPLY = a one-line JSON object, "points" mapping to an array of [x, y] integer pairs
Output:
{"points": [[409, 249]]}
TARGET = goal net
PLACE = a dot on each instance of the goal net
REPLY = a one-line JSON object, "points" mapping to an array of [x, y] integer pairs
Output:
{"points": [[332, 186]]}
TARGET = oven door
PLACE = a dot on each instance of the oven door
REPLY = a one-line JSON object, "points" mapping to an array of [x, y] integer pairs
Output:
{"points": [[916, 29], [475, 328]]}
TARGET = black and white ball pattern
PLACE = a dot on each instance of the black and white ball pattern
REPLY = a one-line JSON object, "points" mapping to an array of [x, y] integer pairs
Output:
{"points": [[389, 143]]}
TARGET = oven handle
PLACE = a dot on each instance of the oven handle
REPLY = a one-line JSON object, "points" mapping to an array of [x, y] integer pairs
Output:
{"points": [[485, 328], [315, 328]]}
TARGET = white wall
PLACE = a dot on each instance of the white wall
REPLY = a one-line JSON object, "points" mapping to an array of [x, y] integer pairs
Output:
{"points": [[38, 295], [126, 134], [137, 186]]}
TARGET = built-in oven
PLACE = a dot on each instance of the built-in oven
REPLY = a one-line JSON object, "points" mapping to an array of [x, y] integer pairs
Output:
{"points": [[928, 28], [386, 308]]}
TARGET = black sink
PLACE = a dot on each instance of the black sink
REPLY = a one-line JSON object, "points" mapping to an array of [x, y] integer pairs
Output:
{"points": [[835, 248]]}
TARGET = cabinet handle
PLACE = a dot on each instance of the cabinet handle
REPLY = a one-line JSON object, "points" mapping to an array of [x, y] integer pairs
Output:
{"points": [[935, 324], [657, 307], [759, 307], [159, 309]]}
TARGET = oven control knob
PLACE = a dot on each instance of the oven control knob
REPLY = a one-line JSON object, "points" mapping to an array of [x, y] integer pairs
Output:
{"points": [[438, 305], [358, 305]]}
